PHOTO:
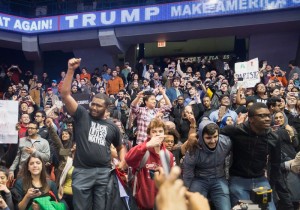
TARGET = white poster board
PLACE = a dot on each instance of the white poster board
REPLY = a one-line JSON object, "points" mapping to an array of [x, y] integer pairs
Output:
{"points": [[8, 120], [248, 72]]}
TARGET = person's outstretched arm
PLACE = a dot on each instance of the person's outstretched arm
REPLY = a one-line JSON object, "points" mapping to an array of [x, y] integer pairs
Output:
{"points": [[67, 99]]}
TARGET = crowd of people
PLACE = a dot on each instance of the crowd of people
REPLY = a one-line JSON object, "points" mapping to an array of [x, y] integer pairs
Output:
{"points": [[175, 136]]}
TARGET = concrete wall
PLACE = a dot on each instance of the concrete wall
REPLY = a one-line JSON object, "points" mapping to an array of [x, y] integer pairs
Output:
{"points": [[276, 48], [95, 57]]}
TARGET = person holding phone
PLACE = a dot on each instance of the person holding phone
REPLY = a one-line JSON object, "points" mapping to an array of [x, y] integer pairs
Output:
{"points": [[223, 111], [30, 144], [34, 183], [145, 187]]}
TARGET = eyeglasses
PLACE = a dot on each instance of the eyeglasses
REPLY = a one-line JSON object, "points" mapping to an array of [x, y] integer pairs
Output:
{"points": [[31, 128], [262, 115]]}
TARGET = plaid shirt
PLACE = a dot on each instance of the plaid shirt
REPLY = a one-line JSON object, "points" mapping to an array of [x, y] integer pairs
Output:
{"points": [[144, 115]]}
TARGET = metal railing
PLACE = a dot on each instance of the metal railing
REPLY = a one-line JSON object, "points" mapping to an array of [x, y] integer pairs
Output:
{"points": [[36, 8]]}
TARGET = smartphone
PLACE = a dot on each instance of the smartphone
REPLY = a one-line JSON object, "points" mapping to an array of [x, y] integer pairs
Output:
{"points": [[36, 190], [164, 161], [275, 127], [152, 172]]}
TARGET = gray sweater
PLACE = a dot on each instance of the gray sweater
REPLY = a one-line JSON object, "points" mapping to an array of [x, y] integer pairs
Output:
{"points": [[42, 148]]}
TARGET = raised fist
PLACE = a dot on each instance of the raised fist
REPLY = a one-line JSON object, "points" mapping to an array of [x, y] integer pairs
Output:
{"points": [[74, 63]]}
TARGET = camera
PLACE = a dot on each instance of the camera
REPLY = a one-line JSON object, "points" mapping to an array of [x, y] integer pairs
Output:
{"points": [[260, 198]]}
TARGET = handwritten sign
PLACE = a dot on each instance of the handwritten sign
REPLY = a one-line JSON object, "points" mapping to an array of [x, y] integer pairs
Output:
{"points": [[247, 73], [8, 121]]}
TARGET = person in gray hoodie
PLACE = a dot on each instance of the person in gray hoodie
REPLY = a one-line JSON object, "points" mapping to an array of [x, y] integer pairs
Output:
{"points": [[204, 167]]}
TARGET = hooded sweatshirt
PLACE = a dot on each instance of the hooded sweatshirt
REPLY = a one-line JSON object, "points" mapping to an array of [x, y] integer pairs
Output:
{"points": [[206, 163], [145, 190]]}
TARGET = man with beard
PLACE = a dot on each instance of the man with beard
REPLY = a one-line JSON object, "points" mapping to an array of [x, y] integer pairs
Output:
{"points": [[30, 144], [204, 167], [93, 136], [254, 146], [224, 111], [122, 104]]}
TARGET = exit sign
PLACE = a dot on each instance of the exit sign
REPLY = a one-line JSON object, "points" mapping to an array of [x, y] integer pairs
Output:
{"points": [[161, 44]]}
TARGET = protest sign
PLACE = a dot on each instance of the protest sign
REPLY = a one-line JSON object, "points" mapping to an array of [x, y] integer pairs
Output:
{"points": [[247, 73], [8, 121]]}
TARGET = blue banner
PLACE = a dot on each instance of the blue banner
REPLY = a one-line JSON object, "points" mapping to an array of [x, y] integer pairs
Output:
{"points": [[145, 14]]}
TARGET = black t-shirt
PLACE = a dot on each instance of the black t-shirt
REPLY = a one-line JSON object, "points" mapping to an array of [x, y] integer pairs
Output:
{"points": [[93, 139], [256, 99]]}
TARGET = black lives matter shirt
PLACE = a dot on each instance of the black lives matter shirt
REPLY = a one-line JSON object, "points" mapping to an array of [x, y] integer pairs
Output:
{"points": [[257, 99], [93, 139]]}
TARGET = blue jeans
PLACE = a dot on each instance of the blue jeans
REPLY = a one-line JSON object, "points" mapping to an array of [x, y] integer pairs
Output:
{"points": [[217, 188], [240, 188], [89, 188]]}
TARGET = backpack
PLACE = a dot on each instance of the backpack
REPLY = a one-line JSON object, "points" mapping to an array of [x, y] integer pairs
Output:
{"points": [[142, 164]]}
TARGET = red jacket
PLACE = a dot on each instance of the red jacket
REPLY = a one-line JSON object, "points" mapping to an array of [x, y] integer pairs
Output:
{"points": [[22, 131], [145, 190]]}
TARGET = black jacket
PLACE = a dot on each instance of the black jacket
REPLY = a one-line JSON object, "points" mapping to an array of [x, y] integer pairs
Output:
{"points": [[250, 152]]}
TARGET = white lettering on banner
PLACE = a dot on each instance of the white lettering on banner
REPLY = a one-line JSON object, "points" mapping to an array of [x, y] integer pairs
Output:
{"points": [[4, 21], [133, 17], [83, 102], [97, 133], [71, 20], [196, 9], [187, 10], [176, 11], [225, 6], [88, 19], [243, 4], [151, 11], [112, 19], [220, 7], [253, 4], [33, 25], [231, 5]]}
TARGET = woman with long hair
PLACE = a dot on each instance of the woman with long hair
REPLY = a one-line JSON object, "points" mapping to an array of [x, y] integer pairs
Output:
{"points": [[5, 194], [34, 183]]}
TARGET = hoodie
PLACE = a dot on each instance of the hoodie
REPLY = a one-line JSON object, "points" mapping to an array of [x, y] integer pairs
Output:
{"points": [[206, 163], [145, 190]]}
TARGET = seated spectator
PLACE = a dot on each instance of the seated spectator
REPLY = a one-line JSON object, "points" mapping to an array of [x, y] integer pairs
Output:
{"points": [[85, 74], [50, 98]]}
